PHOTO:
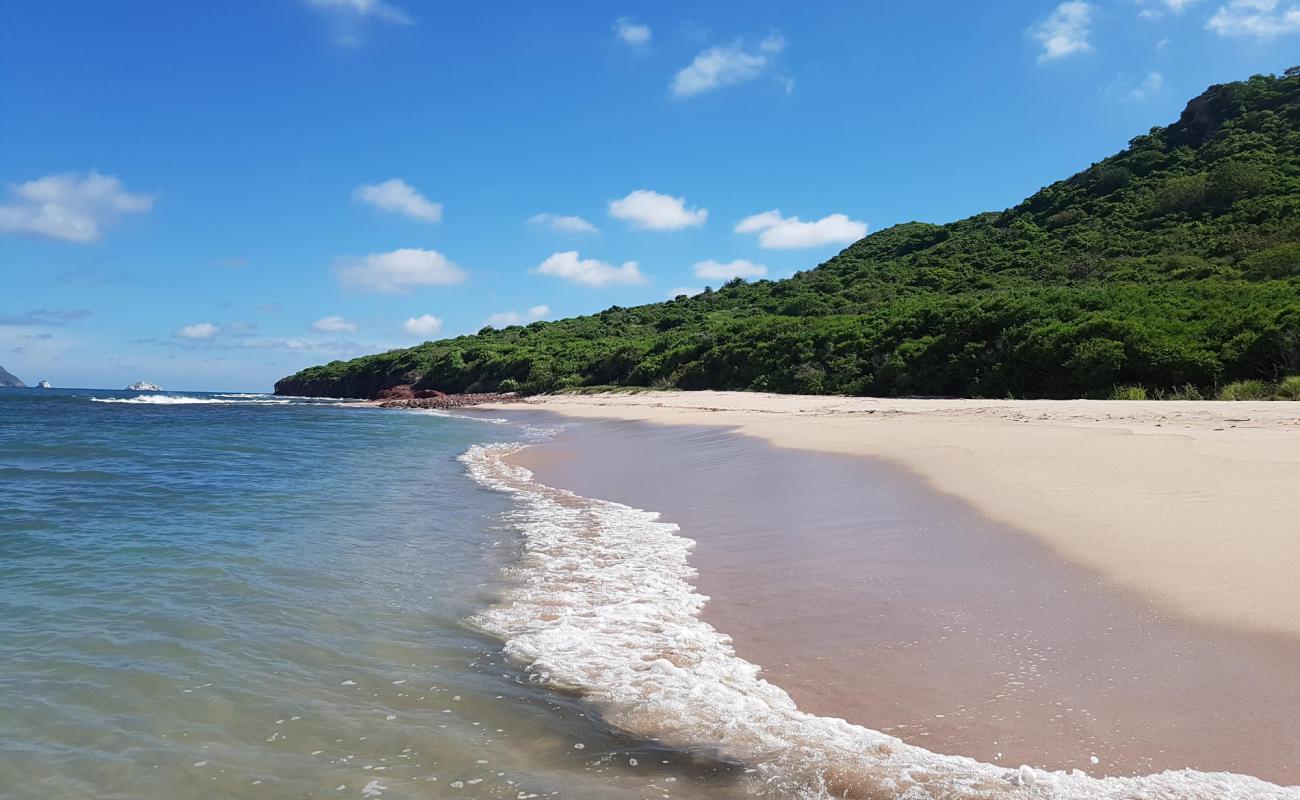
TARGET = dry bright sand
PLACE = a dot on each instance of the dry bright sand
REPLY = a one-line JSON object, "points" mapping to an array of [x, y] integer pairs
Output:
{"points": [[1194, 506]]}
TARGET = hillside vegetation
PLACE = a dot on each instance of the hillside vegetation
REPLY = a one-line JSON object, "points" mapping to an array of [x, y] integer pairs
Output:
{"points": [[1173, 265]]}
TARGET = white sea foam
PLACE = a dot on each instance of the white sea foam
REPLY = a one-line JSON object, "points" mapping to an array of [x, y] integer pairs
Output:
{"points": [[180, 400], [602, 604]]}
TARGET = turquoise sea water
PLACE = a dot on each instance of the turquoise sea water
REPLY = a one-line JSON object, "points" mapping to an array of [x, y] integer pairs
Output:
{"points": [[244, 596], [241, 596]]}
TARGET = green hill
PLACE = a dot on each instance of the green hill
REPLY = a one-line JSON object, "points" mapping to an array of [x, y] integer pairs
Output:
{"points": [[1173, 264]]}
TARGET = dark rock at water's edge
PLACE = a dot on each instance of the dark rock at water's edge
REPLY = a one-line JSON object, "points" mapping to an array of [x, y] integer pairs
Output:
{"points": [[451, 400], [9, 381], [405, 392]]}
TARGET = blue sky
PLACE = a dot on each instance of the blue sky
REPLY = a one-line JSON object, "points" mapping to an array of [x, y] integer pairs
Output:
{"points": [[214, 195]]}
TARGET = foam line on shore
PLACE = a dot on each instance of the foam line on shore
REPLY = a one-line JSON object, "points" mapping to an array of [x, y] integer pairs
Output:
{"points": [[601, 602]]}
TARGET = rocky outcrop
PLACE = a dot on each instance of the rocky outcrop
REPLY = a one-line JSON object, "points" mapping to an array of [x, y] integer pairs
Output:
{"points": [[9, 381], [406, 392], [451, 400], [144, 386]]}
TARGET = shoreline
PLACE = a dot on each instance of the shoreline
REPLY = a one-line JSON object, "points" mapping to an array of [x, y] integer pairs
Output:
{"points": [[1207, 485], [604, 604]]}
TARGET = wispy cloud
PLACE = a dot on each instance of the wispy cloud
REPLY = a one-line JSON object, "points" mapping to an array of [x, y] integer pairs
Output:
{"points": [[1148, 88], [740, 268], [776, 232], [652, 211], [1152, 9], [507, 318], [350, 19], [631, 32], [71, 207], [725, 65], [1258, 19], [399, 197], [44, 316], [561, 223], [1065, 32], [399, 271], [590, 272]]}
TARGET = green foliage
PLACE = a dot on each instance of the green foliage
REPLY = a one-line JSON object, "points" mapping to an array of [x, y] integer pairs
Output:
{"points": [[1173, 265], [1128, 393], [1245, 390], [1289, 388]]}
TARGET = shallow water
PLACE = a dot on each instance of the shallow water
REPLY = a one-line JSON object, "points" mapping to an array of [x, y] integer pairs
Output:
{"points": [[242, 597], [238, 596], [870, 597]]}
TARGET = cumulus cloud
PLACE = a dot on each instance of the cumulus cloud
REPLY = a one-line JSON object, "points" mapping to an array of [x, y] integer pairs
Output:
{"points": [[423, 325], [507, 318], [199, 330], [776, 232], [631, 32], [399, 270], [740, 268], [69, 206], [349, 19], [725, 65], [590, 272], [334, 324], [689, 291], [562, 224], [1259, 19], [399, 197], [652, 211], [1065, 32]]}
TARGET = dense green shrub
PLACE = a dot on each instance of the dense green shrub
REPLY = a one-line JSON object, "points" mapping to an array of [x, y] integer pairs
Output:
{"points": [[1173, 265], [1245, 390]]}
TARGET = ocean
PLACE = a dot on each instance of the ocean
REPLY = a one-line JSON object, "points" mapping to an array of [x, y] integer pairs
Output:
{"points": [[248, 596], [244, 596]]}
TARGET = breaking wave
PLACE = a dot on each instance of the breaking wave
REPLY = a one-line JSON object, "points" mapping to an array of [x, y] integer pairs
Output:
{"points": [[180, 400], [601, 603]]}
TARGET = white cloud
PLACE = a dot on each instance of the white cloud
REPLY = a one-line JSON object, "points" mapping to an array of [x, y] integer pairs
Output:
{"points": [[1065, 32], [562, 224], [334, 324], [1158, 8], [689, 291], [507, 318], [1261, 19], [1150, 86], [423, 325], [588, 271], [349, 18], [400, 197], [776, 232], [652, 211], [740, 268], [725, 65], [399, 270], [631, 32], [199, 330], [69, 206]]}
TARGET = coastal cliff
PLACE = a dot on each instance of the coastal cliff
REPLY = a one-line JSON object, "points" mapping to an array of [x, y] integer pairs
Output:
{"points": [[1170, 268], [9, 381]]}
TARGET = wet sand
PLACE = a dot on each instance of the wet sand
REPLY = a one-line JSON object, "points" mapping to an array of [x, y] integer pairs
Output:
{"points": [[869, 596], [1193, 505]]}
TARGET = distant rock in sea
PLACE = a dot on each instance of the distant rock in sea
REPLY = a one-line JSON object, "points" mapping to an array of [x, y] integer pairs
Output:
{"points": [[44, 385], [9, 381], [144, 386]]}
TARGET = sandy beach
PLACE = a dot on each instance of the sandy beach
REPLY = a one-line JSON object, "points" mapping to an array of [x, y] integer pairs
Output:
{"points": [[1191, 506]]}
